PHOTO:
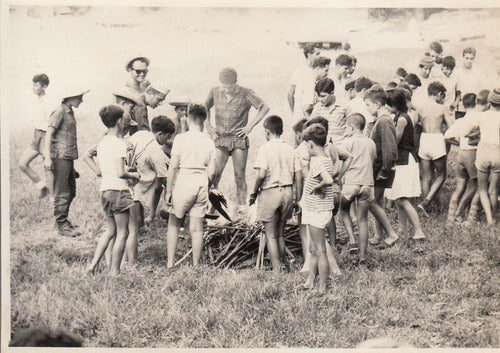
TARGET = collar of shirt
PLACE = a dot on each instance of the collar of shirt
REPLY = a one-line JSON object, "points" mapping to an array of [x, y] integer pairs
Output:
{"points": [[67, 109]]}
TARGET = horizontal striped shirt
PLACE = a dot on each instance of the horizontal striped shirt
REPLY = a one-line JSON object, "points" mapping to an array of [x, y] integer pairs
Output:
{"points": [[322, 201]]}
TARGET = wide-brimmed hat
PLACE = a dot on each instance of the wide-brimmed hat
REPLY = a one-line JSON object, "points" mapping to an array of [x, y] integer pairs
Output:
{"points": [[73, 92], [131, 62], [179, 101], [128, 93]]}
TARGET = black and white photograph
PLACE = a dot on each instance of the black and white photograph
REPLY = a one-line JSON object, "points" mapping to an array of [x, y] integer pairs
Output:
{"points": [[222, 175]]}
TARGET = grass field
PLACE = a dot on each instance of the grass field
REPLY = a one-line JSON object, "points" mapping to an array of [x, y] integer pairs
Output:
{"points": [[440, 293]]}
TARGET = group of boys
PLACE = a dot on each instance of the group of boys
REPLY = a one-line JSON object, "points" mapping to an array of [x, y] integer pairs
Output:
{"points": [[353, 139]]}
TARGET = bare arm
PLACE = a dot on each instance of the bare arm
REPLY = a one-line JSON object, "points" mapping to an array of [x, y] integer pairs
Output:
{"points": [[400, 129], [449, 119], [47, 163], [291, 97], [261, 113], [88, 158], [261, 176], [344, 168], [299, 185], [171, 176], [326, 180], [123, 173]]}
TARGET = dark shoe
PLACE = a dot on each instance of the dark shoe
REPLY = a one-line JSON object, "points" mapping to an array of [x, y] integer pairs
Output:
{"points": [[66, 230], [44, 192]]}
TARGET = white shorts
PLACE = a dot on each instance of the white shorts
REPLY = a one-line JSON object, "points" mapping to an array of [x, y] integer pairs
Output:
{"points": [[432, 146], [318, 219], [406, 181], [190, 195]]}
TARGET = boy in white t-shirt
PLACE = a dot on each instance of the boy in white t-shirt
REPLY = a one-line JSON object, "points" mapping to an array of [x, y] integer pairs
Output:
{"points": [[116, 198], [40, 123], [192, 171], [278, 170]]}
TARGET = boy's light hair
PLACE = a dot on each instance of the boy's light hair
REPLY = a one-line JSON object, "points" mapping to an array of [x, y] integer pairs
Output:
{"points": [[469, 50], [469, 100], [376, 94], [315, 133], [435, 88], [357, 121]]}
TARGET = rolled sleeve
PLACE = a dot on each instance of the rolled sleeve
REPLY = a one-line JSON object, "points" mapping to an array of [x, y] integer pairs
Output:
{"points": [[56, 118], [254, 100]]}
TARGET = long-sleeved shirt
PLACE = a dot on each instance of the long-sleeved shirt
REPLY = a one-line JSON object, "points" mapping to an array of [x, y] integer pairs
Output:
{"points": [[384, 136]]}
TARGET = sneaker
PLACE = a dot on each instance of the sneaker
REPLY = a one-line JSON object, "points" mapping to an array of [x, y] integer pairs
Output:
{"points": [[66, 230]]}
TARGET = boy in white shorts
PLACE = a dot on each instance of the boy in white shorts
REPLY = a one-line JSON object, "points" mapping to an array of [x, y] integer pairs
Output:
{"points": [[191, 172], [488, 154], [278, 170], [433, 115], [317, 203]]}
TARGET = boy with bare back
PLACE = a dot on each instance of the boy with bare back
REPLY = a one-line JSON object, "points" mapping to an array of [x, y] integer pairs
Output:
{"points": [[433, 115]]}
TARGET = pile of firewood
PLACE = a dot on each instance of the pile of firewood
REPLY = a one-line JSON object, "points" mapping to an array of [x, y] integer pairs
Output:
{"points": [[239, 245]]}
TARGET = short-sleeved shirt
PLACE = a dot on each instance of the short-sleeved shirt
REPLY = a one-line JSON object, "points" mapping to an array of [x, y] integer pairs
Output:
{"points": [[457, 131], [151, 161], [111, 152], [314, 202], [471, 80], [303, 157], [336, 117], [489, 127], [139, 114], [277, 158], [231, 112], [363, 151], [41, 112], [194, 149], [64, 143]]}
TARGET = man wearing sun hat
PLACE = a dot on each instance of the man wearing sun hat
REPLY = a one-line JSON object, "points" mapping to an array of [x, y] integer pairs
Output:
{"points": [[61, 146], [152, 97], [138, 69], [127, 99], [232, 103]]}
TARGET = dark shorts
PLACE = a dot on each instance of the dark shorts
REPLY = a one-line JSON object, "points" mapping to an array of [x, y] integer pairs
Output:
{"points": [[116, 201], [466, 168], [38, 140], [229, 143]]}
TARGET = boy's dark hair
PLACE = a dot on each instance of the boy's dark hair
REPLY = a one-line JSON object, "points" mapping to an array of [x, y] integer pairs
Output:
{"points": [[317, 120], [325, 85], [274, 124], [315, 133], [197, 112], [344, 60], [469, 100], [405, 85], [363, 83], [110, 115], [42, 79], [413, 80], [401, 72], [357, 120], [392, 85], [309, 49], [163, 124], [120, 99], [437, 47], [469, 50], [435, 88], [354, 60], [406, 91], [449, 62], [299, 126], [482, 97], [396, 99], [376, 94], [43, 337], [320, 62], [350, 85]]}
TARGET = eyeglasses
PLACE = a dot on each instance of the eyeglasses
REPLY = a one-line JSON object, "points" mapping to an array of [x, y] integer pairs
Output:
{"points": [[138, 72]]}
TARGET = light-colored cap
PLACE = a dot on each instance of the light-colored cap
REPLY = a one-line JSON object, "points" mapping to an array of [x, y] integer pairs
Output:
{"points": [[131, 61], [128, 93]]}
